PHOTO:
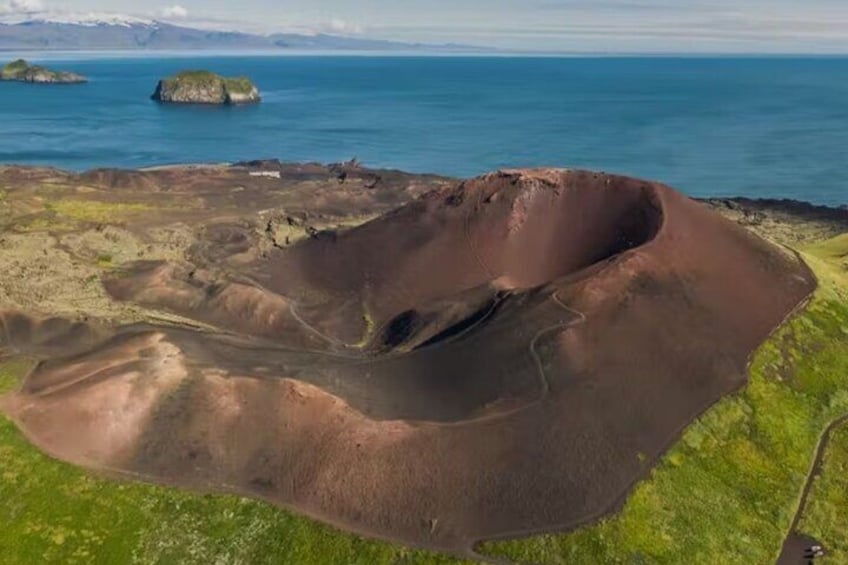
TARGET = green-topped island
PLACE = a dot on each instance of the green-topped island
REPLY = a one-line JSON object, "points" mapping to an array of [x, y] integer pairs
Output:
{"points": [[204, 87], [23, 71]]}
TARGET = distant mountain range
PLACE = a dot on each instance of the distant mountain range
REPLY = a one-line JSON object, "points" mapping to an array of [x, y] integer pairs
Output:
{"points": [[116, 33]]}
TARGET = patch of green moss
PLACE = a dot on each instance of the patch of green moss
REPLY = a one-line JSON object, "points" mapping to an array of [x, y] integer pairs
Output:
{"points": [[203, 78], [20, 68], [826, 514], [198, 78], [835, 251], [44, 222], [64, 214], [239, 85], [209, 80], [12, 372], [15, 69], [97, 211], [196, 75], [16, 65], [727, 492], [833, 248]]}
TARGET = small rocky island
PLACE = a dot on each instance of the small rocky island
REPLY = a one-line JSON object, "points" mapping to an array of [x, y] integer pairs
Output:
{"points": [[204, 87], [22, 71]]}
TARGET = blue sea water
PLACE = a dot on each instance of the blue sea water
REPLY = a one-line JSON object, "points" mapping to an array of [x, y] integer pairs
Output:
{"points": [[759, 127]]}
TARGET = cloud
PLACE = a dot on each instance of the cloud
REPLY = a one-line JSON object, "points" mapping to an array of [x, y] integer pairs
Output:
{"points": [[21, 7], [343, 27], [176, 12]]}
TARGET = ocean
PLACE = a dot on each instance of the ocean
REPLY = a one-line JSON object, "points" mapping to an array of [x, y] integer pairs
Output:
{"points": [[757, 127]]}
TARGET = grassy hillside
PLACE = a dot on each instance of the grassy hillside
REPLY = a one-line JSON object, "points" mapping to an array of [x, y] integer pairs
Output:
{"points": [[826, 514]]}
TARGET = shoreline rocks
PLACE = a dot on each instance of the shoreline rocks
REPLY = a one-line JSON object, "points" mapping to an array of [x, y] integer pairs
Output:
{"points": [[22, 71], [204, 87]]}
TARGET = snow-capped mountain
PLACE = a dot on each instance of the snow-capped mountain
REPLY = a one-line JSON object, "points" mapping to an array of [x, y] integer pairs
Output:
{"points": [[71, 18], [114, 32], [94, 19]]}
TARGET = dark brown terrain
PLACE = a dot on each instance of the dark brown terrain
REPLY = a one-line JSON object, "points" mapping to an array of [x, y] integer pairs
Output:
{"points": [[484, 358]]}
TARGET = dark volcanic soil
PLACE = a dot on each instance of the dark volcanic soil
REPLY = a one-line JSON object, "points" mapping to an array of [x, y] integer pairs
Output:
{"points": [[499, 356]]}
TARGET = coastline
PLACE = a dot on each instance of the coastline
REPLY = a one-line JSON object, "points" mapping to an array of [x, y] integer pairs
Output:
{"points": [[724, 204]]}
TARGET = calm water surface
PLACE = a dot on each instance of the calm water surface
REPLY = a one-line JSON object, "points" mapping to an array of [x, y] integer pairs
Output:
{"points": [[757, 127]]}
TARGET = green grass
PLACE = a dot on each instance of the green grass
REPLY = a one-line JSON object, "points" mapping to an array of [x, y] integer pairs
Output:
{"points": [[197, 75], [835, 251], [727, 492], [17, 65], [48, 223], [19, 68], [11, 373], [15, 68], [52, 512], [239, 85], [96, 211], [195, 78], [826, 514]]}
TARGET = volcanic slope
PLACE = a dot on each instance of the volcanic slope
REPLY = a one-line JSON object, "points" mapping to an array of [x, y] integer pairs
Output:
{"points": [[503, 356]]}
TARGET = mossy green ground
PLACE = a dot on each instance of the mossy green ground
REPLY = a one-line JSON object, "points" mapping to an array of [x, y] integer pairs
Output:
{"points": [[826, 514], [97, 211], [52, 512], [19, 68], [239, 85], [195, 77], [67, 214], [14, 69], [727, 492]]}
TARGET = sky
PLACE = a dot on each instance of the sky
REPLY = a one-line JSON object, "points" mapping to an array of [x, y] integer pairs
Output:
{"points": [[757, 26]]}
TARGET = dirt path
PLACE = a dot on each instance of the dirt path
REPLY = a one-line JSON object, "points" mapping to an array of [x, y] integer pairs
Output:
{"points": [[621, 500], [580, 318], [791, 543]]}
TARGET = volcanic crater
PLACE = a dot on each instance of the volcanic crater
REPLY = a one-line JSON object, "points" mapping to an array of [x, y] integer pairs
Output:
{"points": [[495, 357]]}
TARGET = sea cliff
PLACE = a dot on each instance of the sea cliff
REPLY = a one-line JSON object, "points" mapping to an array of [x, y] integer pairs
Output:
{"points": [[204, 87]]}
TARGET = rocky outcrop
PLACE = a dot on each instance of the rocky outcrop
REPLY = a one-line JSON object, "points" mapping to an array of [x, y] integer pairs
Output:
{"points": [[204, 87], [22, 71]]}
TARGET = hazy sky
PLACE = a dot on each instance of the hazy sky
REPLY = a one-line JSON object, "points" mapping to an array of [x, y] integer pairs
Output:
{"points": [[585, 25]]}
